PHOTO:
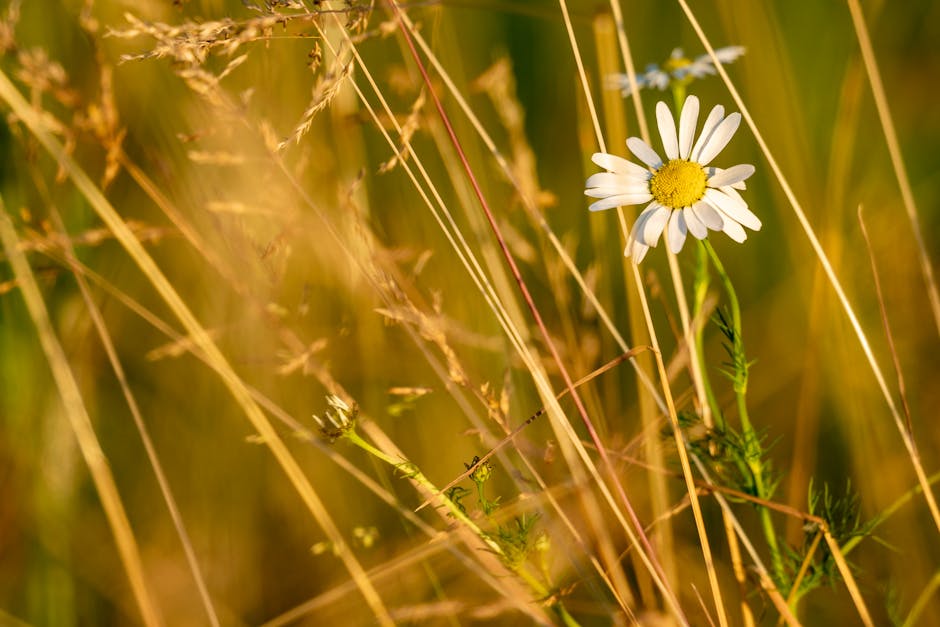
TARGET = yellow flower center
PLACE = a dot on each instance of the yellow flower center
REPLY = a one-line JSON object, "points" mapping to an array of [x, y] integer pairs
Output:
{"points": [[674, 64], [678, 183]]}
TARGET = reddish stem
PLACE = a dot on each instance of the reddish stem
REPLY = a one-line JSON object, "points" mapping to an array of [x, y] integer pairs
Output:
{"points": [[527, 296]]}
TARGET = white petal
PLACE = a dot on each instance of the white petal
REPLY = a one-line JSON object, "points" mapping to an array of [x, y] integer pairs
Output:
{"points": [[734, 208], [667, 130], [636, 250], [617, 164], [620, 200], [732, 175], [654, 225], [729, 53], [658, 79], [708, 215], [714, 118], [641, 192], [735, 231], [719, 138], [643, 152], [696, 226], [675, 232], [687, 123], [613, 179], [622, 82], [641, 219], [701, 67], [731, 191]]}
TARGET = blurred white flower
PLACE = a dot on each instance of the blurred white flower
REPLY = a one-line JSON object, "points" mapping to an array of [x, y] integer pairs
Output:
{"points": [[677, 69], [685, 194]]}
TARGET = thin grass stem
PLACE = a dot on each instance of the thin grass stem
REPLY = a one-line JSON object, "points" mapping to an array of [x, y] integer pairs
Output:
{"points": [[923, 599], [894, 151], [637, 527], [200, 337], [101, 328], [849, 579], [824, 261], [80, 423]]}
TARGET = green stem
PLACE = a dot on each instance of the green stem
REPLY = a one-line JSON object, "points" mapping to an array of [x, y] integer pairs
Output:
{"points": [[700, 291], [566, 618], [740, 361], [678, 95], [753, 449], [538, 588]]}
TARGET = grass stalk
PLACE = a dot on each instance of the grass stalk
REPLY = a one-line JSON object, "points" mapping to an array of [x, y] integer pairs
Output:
{"points": [[801, 573], [827, 266], [740, 574], [677, 282], [529, 205], [637, 527], [200, 337], [766, 580], [473, 268], [705, 545], [80, 423], [101, 328], [849, 579], [650, 405], [894, 151], [923, 599]]}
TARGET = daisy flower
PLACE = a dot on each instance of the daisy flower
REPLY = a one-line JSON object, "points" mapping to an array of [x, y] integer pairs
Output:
{"points": [[679, 70], [684, 193]]}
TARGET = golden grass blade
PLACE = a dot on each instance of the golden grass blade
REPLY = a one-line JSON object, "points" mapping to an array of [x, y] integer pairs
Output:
{"points": [[827, 267], [218, 362], [849, 579], [582, 74], [297, 428], [624, 43], [922, 600], [684, 461], [683, 457], [804, 568], [518, 429], [894, 151], [740, 575], [151, 452], [615, 126], [80, 423], [570, 444], [559, 420], [529, 205], [766, 582]]}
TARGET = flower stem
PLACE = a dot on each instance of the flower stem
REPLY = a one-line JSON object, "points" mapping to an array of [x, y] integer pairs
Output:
{"points": [[539, 589], [753, 449], [699, 292], [678, 95]]}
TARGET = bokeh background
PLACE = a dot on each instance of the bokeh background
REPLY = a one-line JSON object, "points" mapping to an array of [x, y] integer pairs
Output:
{"points": [[288, 276]]}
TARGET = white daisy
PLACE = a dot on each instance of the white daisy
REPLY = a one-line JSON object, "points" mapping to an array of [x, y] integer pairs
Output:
{"points": [[677, 69], [703, 65], [684, 193]]}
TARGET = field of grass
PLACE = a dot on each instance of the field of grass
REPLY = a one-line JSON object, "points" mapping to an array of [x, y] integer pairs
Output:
{"points": [[304, 319]]}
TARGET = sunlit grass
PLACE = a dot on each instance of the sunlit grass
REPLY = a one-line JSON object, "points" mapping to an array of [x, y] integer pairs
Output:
{"points": [[263, 208]]}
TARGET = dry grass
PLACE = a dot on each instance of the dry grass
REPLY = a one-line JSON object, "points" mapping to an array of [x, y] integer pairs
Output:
{"points": [[226, 210]]}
